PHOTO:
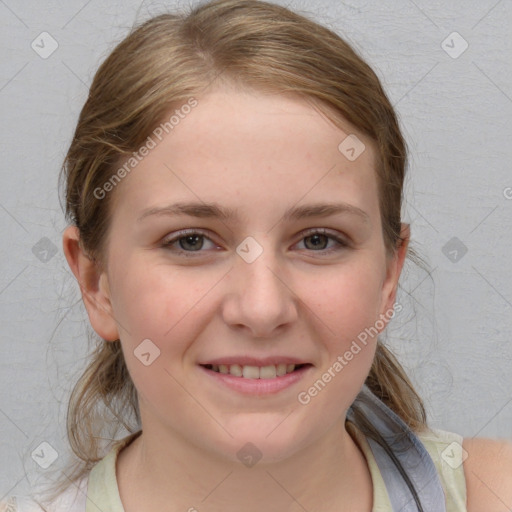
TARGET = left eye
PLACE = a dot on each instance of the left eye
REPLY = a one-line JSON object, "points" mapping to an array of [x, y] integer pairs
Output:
{"points": [[319, 239]]}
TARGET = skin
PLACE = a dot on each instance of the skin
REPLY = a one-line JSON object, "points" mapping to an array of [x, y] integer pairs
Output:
{"points": [[259, 155], [488, 474]]}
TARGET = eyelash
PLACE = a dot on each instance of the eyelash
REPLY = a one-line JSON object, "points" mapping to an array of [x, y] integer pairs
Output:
{"points": [[167, 243]]}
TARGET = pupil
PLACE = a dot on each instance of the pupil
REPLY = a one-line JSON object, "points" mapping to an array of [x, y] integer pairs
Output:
{"points": [[317, 240], [193, 241]]}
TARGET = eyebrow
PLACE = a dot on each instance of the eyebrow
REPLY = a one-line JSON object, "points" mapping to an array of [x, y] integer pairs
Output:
{"points": [[213, 210]]}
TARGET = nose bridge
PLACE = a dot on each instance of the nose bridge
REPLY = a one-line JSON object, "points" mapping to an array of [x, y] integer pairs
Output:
{"points": [[258, 266], [261, 300], [261, 276]]}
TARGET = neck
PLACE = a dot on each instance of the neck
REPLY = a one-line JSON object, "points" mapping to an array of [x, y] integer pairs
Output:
{"points": [[160, 468]]}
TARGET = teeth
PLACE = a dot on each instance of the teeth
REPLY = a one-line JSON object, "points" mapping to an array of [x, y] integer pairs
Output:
{"points": [[251, 372], [268, 372], [280, 369], [236, 370], [254, 372]]}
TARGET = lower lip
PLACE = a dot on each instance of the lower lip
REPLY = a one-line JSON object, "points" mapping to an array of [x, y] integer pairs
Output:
{"points": [[258, 386]]}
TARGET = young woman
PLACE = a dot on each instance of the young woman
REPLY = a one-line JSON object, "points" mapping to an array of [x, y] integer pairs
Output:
{"points": [[233, 189]]}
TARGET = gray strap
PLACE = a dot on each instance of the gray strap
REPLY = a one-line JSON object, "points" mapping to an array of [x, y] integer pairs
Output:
{"points": [[408, 449]]}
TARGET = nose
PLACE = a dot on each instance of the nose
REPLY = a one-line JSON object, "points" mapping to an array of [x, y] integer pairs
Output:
{"points": [[259, 297]]}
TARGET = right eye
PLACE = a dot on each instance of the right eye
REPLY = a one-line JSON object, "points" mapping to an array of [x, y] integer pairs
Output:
{"points": [[189, 241]]}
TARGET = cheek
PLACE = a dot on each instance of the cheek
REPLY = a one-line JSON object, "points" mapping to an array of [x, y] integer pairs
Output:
{"points": [[168, 307], [346, 309], [346, 300], [152, 300], [161, 320]]}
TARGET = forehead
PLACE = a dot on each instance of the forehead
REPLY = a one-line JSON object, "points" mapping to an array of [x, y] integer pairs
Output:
{"points": [[250, 150]]}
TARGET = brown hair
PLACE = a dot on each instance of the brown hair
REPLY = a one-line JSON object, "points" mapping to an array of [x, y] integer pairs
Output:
{"points": [[158, 67]]}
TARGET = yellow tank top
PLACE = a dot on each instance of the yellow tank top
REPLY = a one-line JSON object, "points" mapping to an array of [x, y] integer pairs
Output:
{"points": [[103, 492], [447, 458]]}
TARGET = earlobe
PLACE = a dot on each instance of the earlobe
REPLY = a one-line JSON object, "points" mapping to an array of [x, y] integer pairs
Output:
{"points": [[93, 285]]}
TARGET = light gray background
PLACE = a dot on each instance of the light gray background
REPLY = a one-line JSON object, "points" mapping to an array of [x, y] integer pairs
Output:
{"points": [[454, 332]]}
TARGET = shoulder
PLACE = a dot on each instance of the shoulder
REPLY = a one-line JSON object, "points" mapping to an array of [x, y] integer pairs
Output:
{"points": [[488, 473]]}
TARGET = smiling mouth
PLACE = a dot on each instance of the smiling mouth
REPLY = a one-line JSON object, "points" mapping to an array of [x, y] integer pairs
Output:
{"points": [[255, 372]]}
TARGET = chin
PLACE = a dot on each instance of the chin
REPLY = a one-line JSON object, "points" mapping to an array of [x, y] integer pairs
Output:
{"points": [[261, 440]]}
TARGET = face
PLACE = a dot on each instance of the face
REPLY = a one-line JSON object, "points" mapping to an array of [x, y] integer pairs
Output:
{"points": [[281, 280]]}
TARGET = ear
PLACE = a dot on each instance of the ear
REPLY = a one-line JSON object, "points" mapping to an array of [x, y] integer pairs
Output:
{"points": [[93, 285], [394, 269]]}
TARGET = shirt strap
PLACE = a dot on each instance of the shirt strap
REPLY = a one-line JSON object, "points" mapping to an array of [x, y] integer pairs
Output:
{"points": [[404, 447]]}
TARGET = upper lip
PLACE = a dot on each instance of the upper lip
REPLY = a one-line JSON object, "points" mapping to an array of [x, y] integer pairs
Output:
{"points": [[254, 361]]}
